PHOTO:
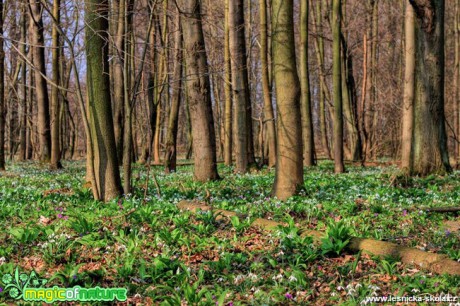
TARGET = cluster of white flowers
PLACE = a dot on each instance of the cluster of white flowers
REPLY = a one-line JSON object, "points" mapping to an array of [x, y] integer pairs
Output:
{"points": [[241, 277]]}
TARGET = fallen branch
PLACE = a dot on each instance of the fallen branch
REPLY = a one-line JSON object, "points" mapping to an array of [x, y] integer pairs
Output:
{"points": [[436, 263], [442, 209]]}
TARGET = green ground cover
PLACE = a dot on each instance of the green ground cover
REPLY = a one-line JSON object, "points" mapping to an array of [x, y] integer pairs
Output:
{"points": [[144, 243]]}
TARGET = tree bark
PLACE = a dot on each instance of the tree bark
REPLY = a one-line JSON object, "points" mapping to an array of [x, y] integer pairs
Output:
{"points": [[199, 92], [429, 142], [38, 49], [173, 124], [23, 88], [55, 101], [289, 161], [457, 83], [269, 117], [307, 120], [228, 148], [107, 178], [337, 83], [323, 89], [118, 76], [2, 91], [240, 88], [409, 89]]}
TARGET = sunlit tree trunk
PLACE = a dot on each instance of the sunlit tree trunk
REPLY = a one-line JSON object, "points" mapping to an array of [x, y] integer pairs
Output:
{"points": [[337, 84], [269, 117], [323, 89], [409, 88], [55, 101], [38, 49], [107, 178], [228, 148], [23, 88], [289, 161], [307, 120]]}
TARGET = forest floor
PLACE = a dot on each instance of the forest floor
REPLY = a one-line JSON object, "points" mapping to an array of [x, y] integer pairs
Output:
{"points": [[49, 223]]}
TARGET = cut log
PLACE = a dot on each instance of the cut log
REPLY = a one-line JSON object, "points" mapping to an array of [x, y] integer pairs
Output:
{"points": [[436, 263]]}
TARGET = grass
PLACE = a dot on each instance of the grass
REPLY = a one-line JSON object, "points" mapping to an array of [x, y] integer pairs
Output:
{"points": [[51, 224]]}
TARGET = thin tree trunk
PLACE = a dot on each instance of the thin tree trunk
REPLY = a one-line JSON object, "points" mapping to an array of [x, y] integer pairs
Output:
{"points": [[118, 76], [324, 91], [240, 87], [457, 82], [307, 118], [2, 91], [23, 103], [171, 138], [127, 85], [55, 105], [269, 117], [337, 83], [289, 164], [409, 89], [228, 148]]}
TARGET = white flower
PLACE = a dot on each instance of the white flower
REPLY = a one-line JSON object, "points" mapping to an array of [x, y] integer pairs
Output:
{"points": [[340, 288], [415, 290], [292, 278], [351, 291], [253, 277], [374, 288], [2, 260], [238, 279]]}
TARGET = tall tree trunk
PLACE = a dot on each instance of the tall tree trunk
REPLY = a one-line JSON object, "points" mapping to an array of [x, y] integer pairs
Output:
{"points": [[173, 124], [118, 76], [350, 102], [127, 86], [337, 83], [228, 148], [289, 161], [240, 88], [409, 89], [269, 117], [371, 109], [323, 90], [38, 49], [2, 91], [457, 83], [429, 143], [107, 178], [23, 98], [307, 118], [55, 105], [199, 92]]}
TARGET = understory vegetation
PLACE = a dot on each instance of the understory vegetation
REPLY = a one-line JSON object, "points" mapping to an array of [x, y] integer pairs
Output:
{"points": [[162, 255]]}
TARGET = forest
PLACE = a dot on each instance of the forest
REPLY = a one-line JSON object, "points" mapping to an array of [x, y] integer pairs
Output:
{"points": [[229, 152]]}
